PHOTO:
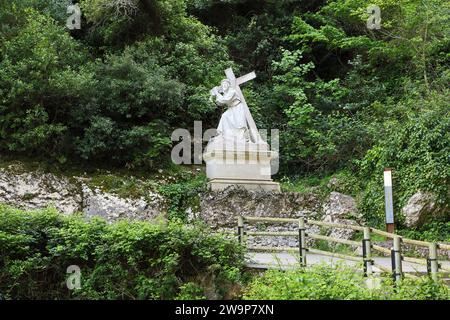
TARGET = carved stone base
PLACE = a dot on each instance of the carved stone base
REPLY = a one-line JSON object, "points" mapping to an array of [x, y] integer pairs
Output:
{"points": [[256, 185], [250, 169]]}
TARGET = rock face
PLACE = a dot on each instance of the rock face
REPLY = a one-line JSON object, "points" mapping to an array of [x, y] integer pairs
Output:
{"points": [[37, 190], [32, 190], [338, 209], [111, 207], [220, 210], [419, 208]]}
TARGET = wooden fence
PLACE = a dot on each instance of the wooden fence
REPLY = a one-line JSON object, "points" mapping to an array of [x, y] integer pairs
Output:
{"points": [[397, 256]]}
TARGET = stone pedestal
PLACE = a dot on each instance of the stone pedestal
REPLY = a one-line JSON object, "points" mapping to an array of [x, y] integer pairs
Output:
{"points": [[248, 167]]}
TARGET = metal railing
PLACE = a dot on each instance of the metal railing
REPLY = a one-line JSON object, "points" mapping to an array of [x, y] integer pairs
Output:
{"points": [[397, 256]]}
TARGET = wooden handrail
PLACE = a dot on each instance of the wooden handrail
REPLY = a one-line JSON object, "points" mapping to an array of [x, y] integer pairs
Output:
{"points": [[336, 255], [415, 260], [443, 246], [405, 240], [268, 219], [382, 268], [334, 225], [432, 264], [259, 248], [416, 242], [445, 268], [381, 249], [382, 233], [272, 233], [411, 276], [344, 241]]}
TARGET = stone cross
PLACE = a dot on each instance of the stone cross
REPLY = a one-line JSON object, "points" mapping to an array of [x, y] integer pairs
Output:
{"points": [[235, 83]]}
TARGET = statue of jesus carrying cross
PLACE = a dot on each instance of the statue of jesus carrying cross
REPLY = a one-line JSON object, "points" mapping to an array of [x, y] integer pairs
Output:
{"points": [[236, 122], [238, 155]]}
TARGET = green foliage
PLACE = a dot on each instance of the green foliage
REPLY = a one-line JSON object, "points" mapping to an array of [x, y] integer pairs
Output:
{"points": [[436, 230], [342, 181], [125, 260], [183, 194], [322, 282], [190, 291], [345, 98], [32, 64], [418, 152], [113, 93]]}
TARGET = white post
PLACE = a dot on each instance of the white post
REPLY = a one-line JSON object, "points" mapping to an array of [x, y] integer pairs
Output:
{"points": [[388, 200]]}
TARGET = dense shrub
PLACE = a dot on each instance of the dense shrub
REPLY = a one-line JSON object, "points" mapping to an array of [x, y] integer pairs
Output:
{"points": [[322, 282], [345, 98], [125, 260], [183, 195], [111, 92], [416, 148]]}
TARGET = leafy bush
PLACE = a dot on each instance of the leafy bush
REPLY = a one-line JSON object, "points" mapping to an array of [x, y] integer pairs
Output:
{"points": [[183, 194], [125, 260], [345, 98], [322, 282], [417, 150], [112, 92], [436, 230]]}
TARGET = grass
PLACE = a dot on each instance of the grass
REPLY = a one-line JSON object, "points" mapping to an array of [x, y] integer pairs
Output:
{"points": [[336, 248], [373, 237], [342, 181]]}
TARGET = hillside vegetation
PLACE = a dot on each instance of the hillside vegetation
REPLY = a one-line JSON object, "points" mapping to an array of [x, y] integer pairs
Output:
{"points": [[156, 260], [126, 260], [347, 100]]}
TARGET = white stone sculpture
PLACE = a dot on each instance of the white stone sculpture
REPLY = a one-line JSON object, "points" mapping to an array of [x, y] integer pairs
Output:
{"points": [[233, 122], [237, 155]]}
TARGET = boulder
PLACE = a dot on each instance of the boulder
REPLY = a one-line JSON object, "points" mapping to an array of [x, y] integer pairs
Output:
{"points": [[220, 210], [420, 208]]}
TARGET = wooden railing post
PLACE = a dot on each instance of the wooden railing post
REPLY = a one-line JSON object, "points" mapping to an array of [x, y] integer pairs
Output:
{"points": [[240, 231], [396, 258], [432, 262], [367, 252], [302, 241]]}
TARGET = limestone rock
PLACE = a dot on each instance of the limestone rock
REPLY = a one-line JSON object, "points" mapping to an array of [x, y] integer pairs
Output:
{"points": [[334, 183], [340, 208], [35, 190], [419, 208], [112, 208], [220, 209], [38, 190]]}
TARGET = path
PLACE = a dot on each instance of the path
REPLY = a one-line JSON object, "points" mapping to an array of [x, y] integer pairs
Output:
{"points": [[290, 260]]}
